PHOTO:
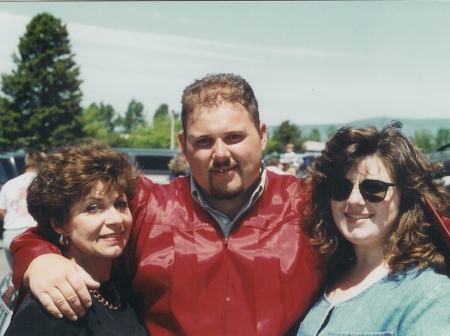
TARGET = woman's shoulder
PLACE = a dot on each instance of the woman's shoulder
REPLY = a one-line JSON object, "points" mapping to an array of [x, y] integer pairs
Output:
{"points": [[425, 284], [429, 315], [427, 276], [31, 307], [32, 316]]}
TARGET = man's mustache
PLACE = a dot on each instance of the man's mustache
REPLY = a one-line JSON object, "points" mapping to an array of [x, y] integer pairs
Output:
{"points": [[229, 164]]}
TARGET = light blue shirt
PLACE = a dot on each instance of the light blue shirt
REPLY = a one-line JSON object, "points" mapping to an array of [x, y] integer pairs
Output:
{"points": [[414, 305]]}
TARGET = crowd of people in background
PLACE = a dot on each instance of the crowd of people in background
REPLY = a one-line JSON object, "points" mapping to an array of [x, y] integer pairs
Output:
{"points": [[290, 162]]}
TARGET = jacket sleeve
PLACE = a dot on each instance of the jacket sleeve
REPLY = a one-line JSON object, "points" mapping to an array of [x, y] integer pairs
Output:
{"points": [[139, 206], [25, 248]]}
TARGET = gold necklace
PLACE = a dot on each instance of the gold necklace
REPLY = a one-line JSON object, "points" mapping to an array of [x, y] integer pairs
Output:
{"points": [[117, 302]]}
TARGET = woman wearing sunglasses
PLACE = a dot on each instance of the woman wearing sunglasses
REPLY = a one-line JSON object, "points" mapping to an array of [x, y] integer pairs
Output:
{"points": [[387, 266]]}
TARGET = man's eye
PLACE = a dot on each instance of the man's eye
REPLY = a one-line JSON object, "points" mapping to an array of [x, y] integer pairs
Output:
{"points": [[203, 142], [234, 137]]}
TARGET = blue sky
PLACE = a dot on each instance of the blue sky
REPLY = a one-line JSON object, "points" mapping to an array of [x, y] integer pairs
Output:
{"points": [[308, 62]]}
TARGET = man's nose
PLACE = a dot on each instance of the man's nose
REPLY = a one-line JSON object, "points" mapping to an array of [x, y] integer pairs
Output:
{"points": [[220, 150]]}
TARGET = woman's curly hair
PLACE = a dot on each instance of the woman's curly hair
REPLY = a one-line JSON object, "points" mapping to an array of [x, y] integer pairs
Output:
{"points": [[413, 240], [69, 174]]}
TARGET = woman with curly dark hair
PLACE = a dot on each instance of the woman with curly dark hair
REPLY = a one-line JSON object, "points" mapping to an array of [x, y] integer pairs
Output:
{"points": [[80, 200], [368, 221]]}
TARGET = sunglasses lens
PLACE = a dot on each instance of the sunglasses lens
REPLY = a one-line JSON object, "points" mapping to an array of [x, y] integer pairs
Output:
{"points": [[373, 191], [341, 189]]}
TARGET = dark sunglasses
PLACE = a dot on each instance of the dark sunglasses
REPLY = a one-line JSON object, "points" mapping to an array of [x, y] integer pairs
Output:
{"points": [[371, 190]]}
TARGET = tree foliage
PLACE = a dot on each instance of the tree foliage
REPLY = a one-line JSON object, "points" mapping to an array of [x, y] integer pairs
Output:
{"points": [[41, 107], [424, 140], [314, 135], [99, 123], [442, 137], [158, 134], [134, 117], [284, 134], [161, 114]]}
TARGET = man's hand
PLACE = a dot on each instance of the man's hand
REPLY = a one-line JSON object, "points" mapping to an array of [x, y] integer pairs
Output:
{"points": [[60, 285]]}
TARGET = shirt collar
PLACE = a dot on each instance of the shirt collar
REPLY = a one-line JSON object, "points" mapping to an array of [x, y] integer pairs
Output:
{"points": [[197, 195]]}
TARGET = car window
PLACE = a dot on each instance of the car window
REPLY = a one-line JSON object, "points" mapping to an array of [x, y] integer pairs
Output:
{"points": [[3, 175], [6, 171], [147, 162], [20, 164]]}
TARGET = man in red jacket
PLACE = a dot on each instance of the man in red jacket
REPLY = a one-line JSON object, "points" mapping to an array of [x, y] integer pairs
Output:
{"points": [[220, 252]]}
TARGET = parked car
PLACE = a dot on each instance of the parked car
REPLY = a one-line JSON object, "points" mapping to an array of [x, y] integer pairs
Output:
{"points": [[11, 165], [154, 163]]}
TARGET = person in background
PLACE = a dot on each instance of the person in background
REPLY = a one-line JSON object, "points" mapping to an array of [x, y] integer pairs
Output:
{"points": [[287, 168], [290, 155], [387, 264], [219, 252], [273, 163], [13, 203], [178, 166], [80, 200]]}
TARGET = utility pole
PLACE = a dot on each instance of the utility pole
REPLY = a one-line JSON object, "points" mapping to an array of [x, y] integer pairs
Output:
{"points": [[172, 129]]}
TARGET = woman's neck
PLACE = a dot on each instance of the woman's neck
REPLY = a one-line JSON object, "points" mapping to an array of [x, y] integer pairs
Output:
{"points": [[368, 261], [98, 268], [367, 269]]}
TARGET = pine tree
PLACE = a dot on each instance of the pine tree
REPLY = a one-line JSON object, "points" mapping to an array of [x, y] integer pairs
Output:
{"points": [[42, 97]]}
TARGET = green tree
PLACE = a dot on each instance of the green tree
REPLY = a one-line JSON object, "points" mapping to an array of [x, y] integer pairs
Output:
{"points": [[314, 135], [424, 140], [442, 137], [284, 134], [330, 130], [161, 114], [42, 96], [98, 119], [156, 135], [134, 117], [99, 123], [107, 117]]}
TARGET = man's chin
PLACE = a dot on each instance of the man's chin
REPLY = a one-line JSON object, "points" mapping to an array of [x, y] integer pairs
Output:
{"points": [[226, 194]]}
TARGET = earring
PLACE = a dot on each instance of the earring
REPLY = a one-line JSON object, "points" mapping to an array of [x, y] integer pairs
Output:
{"points": [[63, 240]]}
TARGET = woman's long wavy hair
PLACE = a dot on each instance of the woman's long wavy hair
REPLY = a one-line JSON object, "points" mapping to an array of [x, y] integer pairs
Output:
{"points": [[413, 240]]}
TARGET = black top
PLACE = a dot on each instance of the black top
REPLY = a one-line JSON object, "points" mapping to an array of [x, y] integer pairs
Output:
{"points": [[33, 319]]}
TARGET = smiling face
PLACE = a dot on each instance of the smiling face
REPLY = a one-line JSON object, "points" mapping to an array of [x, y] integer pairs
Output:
{"points": [[99, 227], [224, 149], [363, 223]]}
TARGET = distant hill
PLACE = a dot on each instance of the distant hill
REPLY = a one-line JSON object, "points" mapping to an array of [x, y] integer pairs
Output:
{"points": [[410, 126]]}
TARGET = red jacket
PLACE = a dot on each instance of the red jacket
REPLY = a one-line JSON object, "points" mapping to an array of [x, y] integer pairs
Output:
{"points": [[194, 282]]}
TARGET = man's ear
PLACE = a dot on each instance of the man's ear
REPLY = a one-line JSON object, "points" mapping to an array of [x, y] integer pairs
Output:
{"points": [[263, 134], [182, 142]]}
